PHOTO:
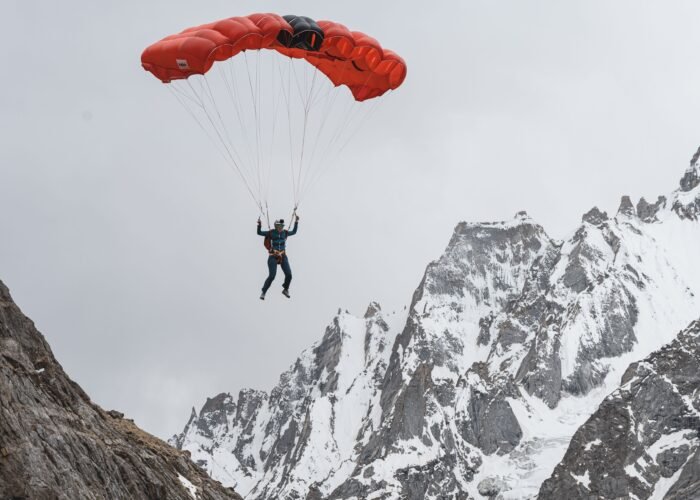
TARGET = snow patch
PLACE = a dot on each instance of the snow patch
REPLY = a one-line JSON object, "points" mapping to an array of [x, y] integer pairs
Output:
{"points": [[590, 445], [584, 480], [191, 488]]}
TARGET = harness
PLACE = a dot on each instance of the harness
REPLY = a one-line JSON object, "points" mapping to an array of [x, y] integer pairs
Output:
{"points": [[277, 254]]}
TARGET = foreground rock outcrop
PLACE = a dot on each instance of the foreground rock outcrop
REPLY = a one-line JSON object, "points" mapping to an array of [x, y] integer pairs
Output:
{"points": [[56, 444]]}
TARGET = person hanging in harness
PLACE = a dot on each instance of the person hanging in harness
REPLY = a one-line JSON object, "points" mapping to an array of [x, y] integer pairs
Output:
{"points": [[276, 244]]}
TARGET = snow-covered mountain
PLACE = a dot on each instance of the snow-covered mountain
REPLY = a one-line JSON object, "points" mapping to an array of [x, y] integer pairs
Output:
{"points": [[510, 343]]}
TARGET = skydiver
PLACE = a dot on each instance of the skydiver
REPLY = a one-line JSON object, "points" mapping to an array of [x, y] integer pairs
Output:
{"points": [[276, 243]]}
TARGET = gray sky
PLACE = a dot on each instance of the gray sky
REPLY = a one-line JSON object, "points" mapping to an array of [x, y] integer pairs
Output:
{"points": [[133, 248]]}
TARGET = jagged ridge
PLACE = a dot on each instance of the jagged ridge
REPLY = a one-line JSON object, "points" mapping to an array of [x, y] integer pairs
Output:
{"points": [[511, 341]]}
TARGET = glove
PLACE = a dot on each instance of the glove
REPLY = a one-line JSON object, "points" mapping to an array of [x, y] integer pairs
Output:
{"points": [[259, 223], [297, 218]]}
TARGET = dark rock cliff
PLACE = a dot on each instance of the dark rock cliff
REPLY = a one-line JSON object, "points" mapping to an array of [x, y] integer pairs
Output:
{"points": [[57, 444]]}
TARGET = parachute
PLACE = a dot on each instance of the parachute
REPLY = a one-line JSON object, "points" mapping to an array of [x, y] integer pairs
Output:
{"points": [[289, 90]]}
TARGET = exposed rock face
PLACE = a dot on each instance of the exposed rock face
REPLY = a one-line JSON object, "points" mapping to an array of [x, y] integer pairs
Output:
{"points": [[691, 179], [647, 212], [56, 444], [510, 342], [595, 216], [688, 204], [626, 206], [644, 438]]}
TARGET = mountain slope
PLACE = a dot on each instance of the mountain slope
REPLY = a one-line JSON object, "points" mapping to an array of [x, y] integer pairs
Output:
{"points": [[510, 342], [56, 444], [255, 441], [643, 439]]}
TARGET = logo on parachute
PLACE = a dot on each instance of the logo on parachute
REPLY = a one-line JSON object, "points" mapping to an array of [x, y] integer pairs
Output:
{"points": [[182, 63]]}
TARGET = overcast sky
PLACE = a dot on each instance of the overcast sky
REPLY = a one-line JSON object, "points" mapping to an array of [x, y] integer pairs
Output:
{"points": [[134, 250]]}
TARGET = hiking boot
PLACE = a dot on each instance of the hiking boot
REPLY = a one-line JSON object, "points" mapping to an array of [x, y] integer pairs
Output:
{"points": [[285, 292], [262, 296]]}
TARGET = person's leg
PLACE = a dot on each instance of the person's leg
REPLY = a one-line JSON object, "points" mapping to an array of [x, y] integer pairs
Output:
{"points": [[272, 272], [287, 273]]}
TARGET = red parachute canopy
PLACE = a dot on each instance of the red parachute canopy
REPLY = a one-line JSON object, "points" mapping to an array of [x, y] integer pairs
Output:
{"points": [[346, 57]]}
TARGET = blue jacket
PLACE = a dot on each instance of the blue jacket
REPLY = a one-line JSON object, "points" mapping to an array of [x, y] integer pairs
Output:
{"points": [[277, 238]]}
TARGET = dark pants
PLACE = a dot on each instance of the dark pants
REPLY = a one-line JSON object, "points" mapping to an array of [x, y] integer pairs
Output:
{"points": [[272, 267]]}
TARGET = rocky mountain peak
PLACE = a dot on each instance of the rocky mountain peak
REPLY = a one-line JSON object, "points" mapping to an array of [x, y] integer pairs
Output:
{"points": [[372, 309], [691, 178], [215, 413], [647, 211], [595, 216], [483, 259], [175, 440], [626, 207]]}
